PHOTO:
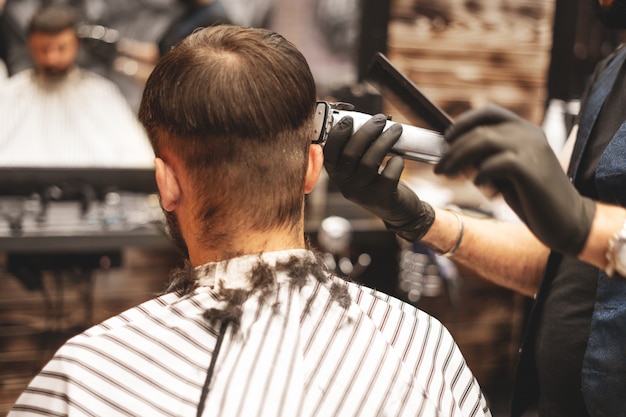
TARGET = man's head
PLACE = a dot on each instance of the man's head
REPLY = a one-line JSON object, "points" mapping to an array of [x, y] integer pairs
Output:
{"points": [[229, 112], [612, 13], [52, 40]]}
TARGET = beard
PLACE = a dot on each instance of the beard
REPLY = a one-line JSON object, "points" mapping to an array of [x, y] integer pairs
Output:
{"points": [[54, 73], [612, 16], [174, 233]]}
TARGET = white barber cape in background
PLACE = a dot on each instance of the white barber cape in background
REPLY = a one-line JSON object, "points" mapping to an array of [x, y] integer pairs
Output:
{"points": [[81, 120]]}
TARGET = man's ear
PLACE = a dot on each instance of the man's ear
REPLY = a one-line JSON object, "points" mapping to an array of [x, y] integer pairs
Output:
{"points": [[314, 168], [168, 185]]}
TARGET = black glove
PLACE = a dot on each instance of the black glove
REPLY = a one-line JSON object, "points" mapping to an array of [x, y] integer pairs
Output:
{"points": [[514, 156], [352, 163]]}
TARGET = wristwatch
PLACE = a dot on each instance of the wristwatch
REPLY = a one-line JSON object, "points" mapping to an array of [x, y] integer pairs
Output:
{"points": [[616, 254]]}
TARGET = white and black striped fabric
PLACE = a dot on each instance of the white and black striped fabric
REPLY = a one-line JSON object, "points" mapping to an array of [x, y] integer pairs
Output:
{"points": [[299, 344], [82, 120]]}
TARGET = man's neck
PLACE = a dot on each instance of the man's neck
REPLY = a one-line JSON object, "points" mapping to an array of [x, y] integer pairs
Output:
{"points": [[247, 244], [236, 239]]}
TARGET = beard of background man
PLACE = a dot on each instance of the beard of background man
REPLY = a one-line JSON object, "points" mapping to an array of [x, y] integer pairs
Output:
{"points": [[612, 13]]}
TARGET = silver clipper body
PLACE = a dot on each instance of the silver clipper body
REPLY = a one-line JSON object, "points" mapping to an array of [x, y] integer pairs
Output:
{"points": [[415, 143]]}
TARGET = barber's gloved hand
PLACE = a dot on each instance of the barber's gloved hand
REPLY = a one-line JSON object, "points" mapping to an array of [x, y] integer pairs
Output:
{"points": [[352, 162], [514, 156]]}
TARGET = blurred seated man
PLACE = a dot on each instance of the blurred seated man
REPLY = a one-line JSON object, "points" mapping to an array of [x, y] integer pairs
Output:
{"points": [[59, 115], [255, 325]]}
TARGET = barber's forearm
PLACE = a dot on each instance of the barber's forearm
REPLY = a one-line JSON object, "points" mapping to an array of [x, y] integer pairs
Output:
{"points": [[607, 221], [505, 253]]}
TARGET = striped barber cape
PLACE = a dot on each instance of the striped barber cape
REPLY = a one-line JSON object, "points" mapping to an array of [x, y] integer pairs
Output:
{"points": [[261, 335]]}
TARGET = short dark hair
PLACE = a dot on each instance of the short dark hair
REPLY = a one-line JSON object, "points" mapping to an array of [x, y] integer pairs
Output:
{"points": [[53, 19], [235, 105]]}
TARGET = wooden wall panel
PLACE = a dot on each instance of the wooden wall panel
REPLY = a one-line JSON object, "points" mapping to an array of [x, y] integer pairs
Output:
{"points": [[468, 53]]}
